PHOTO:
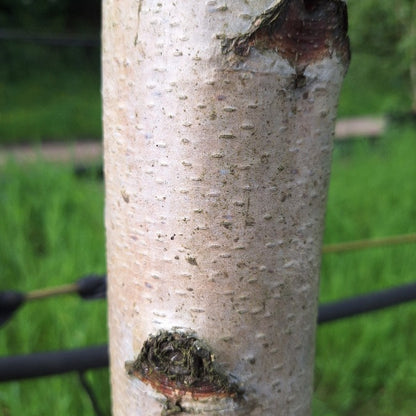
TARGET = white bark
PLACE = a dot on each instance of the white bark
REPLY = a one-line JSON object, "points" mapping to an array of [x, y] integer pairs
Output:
{"points": [[216, 169]]}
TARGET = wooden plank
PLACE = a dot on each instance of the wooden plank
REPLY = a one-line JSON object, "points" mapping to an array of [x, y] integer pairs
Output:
{"points": [[64, 152], [358, 127]]}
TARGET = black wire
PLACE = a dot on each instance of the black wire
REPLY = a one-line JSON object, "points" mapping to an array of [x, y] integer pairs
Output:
{"points": [[366, 303], [90, 172], [95, 287], [10, 301], [51, 39], [90, 393], [20, 367], [92, 287]]}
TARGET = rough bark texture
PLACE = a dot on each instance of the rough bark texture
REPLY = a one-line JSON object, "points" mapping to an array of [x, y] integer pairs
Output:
{"points": [[217, 167]]}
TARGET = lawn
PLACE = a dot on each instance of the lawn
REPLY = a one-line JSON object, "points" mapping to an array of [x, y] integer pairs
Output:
{"points": [[365, 364], [52, 233], [49, 93]]}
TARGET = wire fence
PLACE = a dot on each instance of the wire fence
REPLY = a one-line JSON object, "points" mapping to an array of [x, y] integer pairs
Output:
{"points": [[94, 287], [52, 39], [80, 360]]}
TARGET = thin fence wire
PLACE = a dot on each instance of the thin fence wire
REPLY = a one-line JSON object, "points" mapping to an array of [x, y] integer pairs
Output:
{"points": [[59, 362], [52, 39], [95, 286], [90, 393], [89, 288], [373, 243]]}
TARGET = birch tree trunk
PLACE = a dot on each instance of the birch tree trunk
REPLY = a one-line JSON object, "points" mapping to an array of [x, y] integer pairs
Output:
{"points": [[218, 125]]}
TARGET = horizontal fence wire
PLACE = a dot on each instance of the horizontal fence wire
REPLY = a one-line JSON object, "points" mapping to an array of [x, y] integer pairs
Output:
{"points": [[88, 288], [52, 39], [370, 243], [58, 362], [50, 363], [95, 287], [369, 302]]}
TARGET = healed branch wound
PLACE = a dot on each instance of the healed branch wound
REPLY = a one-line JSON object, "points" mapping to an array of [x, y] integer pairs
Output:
{"points": [[301, 31], [177, 364]]}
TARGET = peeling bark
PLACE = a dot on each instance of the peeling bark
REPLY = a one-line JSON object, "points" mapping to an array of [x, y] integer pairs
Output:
{"points": [[218, 125]]}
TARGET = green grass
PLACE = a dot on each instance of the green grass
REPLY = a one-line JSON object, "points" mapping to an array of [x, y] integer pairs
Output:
{"points": [[54, 94], [365, 365], [51, 233], [66, 107], [373, 86]]}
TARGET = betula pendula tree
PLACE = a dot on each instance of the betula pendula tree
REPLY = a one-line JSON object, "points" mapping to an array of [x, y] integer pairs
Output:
{"points": [[218, 126]]}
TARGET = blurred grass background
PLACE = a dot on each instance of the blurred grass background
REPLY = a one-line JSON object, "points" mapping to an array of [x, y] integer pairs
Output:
{"points": [[48, 93], [52, 230]]}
